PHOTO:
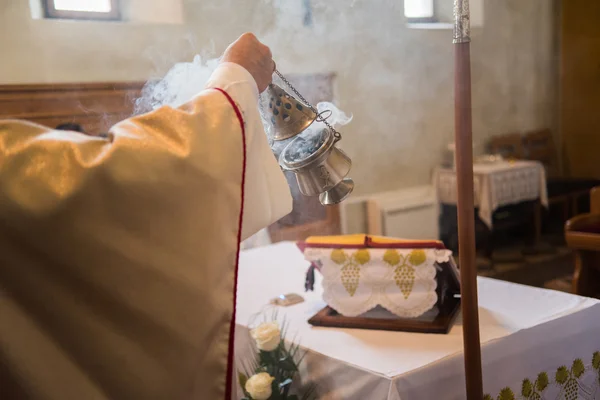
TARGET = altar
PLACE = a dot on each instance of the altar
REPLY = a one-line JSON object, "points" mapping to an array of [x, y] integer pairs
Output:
{"points": [[526, 334]]}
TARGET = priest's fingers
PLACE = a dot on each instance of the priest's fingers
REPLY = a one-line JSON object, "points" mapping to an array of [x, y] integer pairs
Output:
{"points": [[254, 56]]}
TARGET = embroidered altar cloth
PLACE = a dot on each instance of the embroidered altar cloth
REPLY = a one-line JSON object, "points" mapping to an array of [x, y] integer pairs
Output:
{"points": [[362, 272]]}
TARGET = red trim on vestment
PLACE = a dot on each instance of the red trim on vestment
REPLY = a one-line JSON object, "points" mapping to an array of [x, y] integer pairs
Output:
{"points": [[230, 353]]}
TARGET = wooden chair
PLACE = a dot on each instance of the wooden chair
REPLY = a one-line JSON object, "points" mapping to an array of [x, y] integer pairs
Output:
{"points": [[508, 146], [308, 216], [539, 146], [582, 234]]}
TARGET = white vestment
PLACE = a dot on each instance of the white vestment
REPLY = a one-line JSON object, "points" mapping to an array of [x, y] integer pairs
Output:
{"points": [[118, 256]]}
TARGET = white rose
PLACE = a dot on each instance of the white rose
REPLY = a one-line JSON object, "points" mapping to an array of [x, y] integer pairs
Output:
{"points": [[259, 386], [267, 336]]}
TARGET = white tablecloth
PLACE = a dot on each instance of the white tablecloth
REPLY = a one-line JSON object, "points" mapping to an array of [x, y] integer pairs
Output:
{"points": [[496, 185], [524, 331]]}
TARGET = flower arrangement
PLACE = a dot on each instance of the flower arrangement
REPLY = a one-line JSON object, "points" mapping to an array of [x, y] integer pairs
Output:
{"points": [[275, 367]]}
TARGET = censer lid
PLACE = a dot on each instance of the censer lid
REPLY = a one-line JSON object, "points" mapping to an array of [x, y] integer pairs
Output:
{"points": [[287, 116], [306, 149]]}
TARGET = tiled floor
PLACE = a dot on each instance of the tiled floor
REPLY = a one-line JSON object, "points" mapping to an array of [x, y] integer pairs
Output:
{"points": [[552, 270], [506, 262]]}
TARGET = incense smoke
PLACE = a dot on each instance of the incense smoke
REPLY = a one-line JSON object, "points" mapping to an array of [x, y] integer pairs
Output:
{"points": [[180, 85], [185, 80]]}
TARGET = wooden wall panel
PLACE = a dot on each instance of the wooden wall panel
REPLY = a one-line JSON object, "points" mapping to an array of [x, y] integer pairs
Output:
{"points": [[95, 106], [580, 87], [98, 106]]}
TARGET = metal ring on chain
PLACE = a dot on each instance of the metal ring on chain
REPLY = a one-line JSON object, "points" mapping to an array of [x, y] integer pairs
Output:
{"points": [[321, 118]]}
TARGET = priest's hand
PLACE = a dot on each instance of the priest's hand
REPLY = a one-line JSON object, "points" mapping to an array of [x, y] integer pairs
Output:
{"points": [[254, 56]]}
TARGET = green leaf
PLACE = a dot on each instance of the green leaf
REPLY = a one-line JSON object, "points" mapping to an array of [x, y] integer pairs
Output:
{"points": [[562, 374], [242, 379], [292, 350], [287, 364], [506, 394], [263, 358], [488, 397], [268, 358], [596, 360], [542, 381], [276, 391], [527, 388], [578, 368], [293, 344], [283, 329]]}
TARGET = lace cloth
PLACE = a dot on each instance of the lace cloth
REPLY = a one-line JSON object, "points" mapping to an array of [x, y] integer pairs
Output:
{"points": [[403, 281], [496, 185]]}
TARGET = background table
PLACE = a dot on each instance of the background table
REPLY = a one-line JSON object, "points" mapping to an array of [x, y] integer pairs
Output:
{"points": [[524, 331], [496, 185]]}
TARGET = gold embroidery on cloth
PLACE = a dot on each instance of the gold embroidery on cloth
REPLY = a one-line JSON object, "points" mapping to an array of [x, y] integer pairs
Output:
{"points": [[356, 280], [569, 381], [404, 273], [351, 267]]}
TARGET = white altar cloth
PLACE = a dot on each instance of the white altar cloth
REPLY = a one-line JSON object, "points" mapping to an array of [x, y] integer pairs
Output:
{"points": [[364, 364]]}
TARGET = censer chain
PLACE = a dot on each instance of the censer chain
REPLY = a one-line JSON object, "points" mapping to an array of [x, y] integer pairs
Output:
{"points": [[320, 117]]}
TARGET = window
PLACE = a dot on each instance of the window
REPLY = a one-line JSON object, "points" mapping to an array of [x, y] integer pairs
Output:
{"points": [[82, 9], [419, 10]]}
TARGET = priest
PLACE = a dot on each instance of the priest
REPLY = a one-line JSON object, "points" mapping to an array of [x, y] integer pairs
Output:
{"points": [[118, 254]]}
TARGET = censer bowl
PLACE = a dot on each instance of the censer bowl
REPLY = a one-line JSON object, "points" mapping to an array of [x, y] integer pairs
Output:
{"points": [[319, 166]]}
